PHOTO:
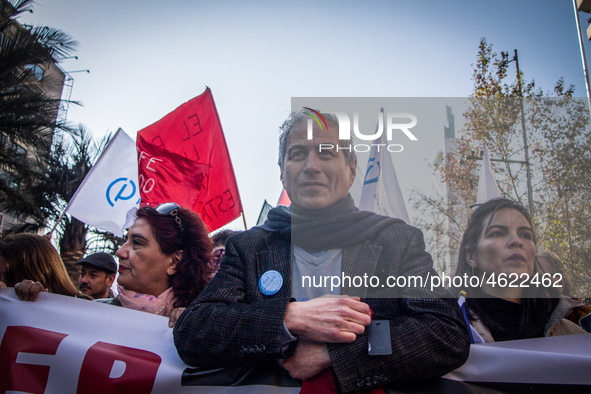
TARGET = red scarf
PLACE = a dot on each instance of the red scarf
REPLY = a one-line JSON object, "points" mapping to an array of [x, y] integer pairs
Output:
{"points": [[323, 383]]}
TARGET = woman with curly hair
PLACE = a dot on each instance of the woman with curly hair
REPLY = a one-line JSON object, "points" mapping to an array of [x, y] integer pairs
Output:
{"points": [[166, 255], [164, 263]]}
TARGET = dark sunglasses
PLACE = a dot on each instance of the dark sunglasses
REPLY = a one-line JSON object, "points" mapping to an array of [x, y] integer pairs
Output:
{"points": [[171, 209]]}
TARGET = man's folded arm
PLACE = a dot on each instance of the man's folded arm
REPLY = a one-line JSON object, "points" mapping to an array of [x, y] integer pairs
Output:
{"points": [[428, 342], [428, 335]]}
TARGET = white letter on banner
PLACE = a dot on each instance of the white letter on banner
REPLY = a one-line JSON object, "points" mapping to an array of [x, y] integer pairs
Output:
{"points": [[152, 159], [142, 154]]}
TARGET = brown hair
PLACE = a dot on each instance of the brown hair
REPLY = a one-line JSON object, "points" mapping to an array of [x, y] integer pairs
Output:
{"points": [[32, 256]]}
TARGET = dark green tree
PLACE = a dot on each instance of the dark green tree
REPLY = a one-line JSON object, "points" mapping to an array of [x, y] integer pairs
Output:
{"points": [[42, 160], [28, 110]]}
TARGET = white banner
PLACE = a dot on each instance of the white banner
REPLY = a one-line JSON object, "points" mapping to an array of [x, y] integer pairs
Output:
{"points": [[59, 344], [110, 189]]}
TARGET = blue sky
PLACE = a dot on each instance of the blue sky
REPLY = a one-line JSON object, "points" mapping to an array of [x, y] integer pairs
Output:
{"points": [[148, 57]]}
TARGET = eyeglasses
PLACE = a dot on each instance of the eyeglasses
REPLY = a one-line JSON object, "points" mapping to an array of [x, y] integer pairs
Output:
{"points": [[216, 257], [171, 209]]}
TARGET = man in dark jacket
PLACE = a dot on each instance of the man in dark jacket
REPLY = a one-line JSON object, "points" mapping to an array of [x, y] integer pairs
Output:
{"points": [[265, 302]]}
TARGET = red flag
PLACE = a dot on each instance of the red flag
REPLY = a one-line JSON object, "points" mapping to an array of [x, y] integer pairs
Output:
{"points": [[184, 158], [284, 199]]}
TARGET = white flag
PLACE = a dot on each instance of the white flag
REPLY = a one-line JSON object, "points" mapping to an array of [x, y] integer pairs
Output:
{"points": [[111, 189], [264, 213], [487, 186], [380, 191]]}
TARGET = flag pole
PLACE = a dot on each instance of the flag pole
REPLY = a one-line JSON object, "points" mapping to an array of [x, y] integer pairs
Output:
{"points": [[244, 220], [59, 219]]}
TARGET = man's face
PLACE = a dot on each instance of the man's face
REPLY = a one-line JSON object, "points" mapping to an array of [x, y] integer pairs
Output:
{"points": [[95, 282], [315, 179]]}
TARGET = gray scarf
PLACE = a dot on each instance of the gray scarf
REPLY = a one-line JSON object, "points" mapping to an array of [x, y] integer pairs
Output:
{"points": [[337, 226]]}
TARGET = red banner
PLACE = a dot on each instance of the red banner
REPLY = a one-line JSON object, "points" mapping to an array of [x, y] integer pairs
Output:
{"points": [[184, 158]]}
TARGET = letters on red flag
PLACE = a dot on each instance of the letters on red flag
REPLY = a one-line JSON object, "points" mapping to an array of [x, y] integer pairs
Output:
{"points": [[165, 176], [184, 158]]}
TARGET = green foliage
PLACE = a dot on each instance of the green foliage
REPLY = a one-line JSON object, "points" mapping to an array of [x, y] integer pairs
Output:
{"points": [[41, 159], [28, 113]]}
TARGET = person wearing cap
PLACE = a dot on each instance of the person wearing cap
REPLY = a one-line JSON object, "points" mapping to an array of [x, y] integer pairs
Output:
{"points": [[256, 311], [97, 275]]}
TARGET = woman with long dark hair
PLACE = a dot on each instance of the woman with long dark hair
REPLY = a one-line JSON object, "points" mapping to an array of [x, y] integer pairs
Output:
{"points": [[513, 300]]}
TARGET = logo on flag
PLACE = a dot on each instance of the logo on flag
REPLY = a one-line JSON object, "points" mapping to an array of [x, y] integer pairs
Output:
{"points": [[371, 176], [120, 184]]}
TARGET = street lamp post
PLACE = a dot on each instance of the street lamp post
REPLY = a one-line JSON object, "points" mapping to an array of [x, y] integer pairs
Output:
{"points": [[584, 6]]}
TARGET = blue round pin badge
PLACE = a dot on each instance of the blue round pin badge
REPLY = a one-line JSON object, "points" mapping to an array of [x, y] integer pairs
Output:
{"points": [[270, 282]]}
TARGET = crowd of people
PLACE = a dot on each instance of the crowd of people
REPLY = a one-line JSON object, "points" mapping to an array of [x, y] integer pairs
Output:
{"points": [[234, 298]]}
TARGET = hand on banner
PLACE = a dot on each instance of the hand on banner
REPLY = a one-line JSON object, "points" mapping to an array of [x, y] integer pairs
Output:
{"points": [[27, 290], [309, 359], [174, 316], [328, 319]]}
